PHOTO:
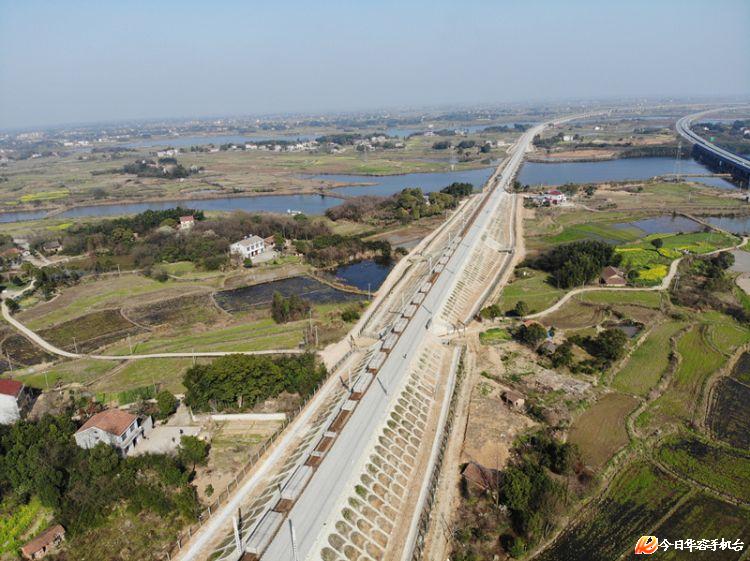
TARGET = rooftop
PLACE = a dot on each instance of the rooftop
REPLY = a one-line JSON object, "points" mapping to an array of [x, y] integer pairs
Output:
{"points": [[113, 421], [43, 540], [10, 387], [250, 240]]}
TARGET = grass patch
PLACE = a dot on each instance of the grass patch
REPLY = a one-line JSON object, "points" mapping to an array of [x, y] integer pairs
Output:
{"points": [[532, 287], [165, 372], [648, 362], [646, 298], [494, 335], [721, 468], [600, 431]]}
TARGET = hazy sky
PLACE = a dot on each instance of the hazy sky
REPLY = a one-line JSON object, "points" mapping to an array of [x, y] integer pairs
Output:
{"points": [[74, 61]]}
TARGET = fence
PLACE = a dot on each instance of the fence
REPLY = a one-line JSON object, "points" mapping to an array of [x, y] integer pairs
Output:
{"points": [[424, 518], [188, 532]]}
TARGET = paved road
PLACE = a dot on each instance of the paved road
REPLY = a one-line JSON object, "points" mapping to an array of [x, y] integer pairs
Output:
{"points": [[321, 501]]}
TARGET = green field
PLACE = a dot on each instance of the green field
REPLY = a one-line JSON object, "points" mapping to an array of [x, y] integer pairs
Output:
{"points": [[532, 289], [648, 362], [721, 468]]}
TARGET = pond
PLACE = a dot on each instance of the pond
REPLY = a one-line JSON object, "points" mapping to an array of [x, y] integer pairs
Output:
{"points": [[364, 275], [666, 224], [386, 185], [261, 295], [558, 173], [735, 224]]}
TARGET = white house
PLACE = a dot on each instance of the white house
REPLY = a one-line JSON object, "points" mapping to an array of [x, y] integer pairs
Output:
{"points": [[555, 197], [249, 247], [187, 222], [14, 400], [119, 429]]}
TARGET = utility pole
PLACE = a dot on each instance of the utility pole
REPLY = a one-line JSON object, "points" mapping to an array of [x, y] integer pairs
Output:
{"points": [[75, 345], [10, 362], [130, 344]]}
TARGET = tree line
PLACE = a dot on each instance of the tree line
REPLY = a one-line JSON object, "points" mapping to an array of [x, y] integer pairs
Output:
{"points": [[576, 263], [243, 381]]}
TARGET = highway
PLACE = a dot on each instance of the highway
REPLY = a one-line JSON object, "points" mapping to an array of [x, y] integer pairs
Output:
{"points": [[321, 502], [683, 128]]}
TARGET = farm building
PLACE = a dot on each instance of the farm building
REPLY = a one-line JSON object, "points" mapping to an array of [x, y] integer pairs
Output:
{"points": [[612, 276], [119, 429], [15, 401], [514, 399], [44, 543]]}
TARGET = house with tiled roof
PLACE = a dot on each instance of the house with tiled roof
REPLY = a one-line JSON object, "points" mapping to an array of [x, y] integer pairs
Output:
{"points": [[44, 543], [114, 427], [15, 400]]}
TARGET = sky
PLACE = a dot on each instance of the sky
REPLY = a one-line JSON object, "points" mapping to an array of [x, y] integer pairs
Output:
{"points": [[71, 61]]}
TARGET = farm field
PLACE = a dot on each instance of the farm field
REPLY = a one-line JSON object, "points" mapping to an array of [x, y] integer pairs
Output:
{"points": [[741, 370], [678, 402], [729, 417], [187, 310], [90, 332], [704, 516], [17, 351], [600, 431], [110, 292], [648, 361], [636, 500], [721, 468], [575, 315]]}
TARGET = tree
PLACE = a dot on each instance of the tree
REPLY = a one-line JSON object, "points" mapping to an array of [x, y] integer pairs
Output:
{"points": [[167, 403], [563, 355], [531, 334], [521, 308], [278, 242], [247, 263], [12, 304], [657, 243], [192, 451], [609, 345]]}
